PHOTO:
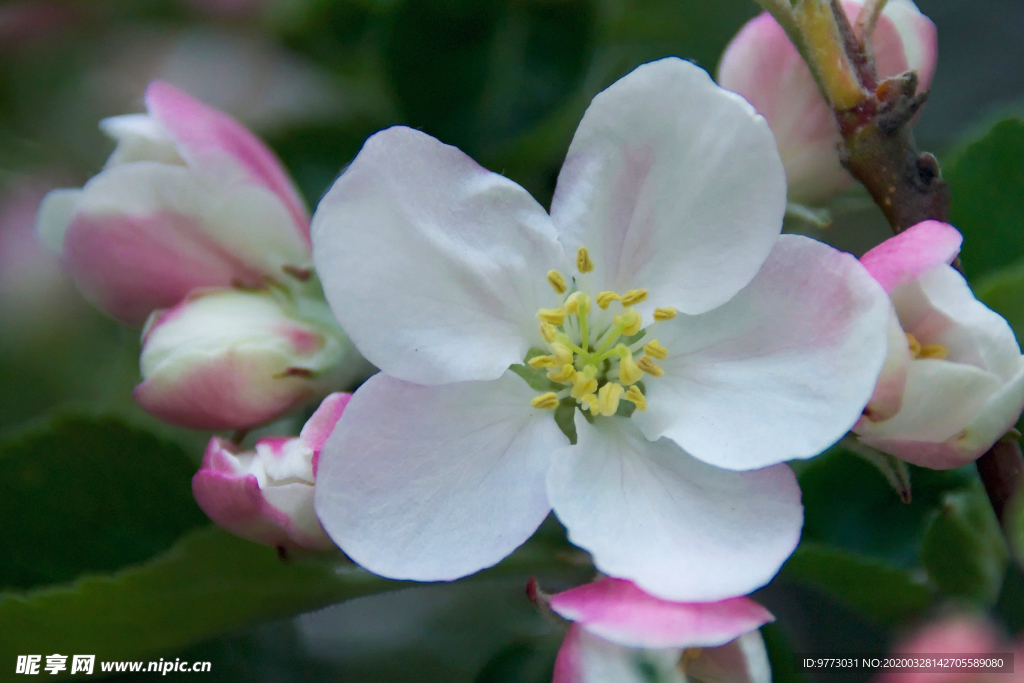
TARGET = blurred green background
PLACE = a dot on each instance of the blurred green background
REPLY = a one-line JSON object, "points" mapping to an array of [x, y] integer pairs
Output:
{"points": [[506, 81]]}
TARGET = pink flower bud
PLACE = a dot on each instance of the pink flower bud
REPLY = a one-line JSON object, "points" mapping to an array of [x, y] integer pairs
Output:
{"points": [[189, 198], [953, 383], [953, 635], [266, 494], [228, 359], [623, 634], [763, 66]]}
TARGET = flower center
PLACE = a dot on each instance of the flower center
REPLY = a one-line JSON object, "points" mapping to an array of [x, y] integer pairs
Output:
{"points": [[917, 350], [597, 357]]}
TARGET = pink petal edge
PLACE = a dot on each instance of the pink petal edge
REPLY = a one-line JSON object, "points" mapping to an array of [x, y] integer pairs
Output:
{"points": [[203, 131], [622, 613], [906, 256]]}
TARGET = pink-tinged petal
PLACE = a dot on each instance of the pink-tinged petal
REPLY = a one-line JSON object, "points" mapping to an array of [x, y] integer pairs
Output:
{"points": [[744, 660], [911, 253], [954, 635], [226, 359], [320, 425], [902, 436], [782, 371], [588, 658], [433, 265], [663, 200], [432, 483], [208, 138], [217, 393], [677, 527], [140, 236], [220, 455], [887, 398], [619, 611]]}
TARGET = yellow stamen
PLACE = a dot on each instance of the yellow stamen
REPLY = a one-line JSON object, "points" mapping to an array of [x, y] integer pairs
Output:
{"points": [[548, 401], [915, 346], [589, 402], [554, 316], [663, 314], [634, 296], [548, 332], [629, 371], [934, 351], [572, 302], [583, 262], [563, 354], [634, 395], [605, 299], [608, 398], [556, 281], [629, 321], [655, 350], [543, 362], [584, 383], [563, 376], [650, 367], [689, 654]]}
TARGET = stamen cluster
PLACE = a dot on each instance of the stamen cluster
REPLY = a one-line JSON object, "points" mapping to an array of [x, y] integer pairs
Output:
{"points": [[600, 358]]}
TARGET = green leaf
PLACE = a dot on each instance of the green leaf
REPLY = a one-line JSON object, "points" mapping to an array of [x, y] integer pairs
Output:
{"points": [[1003, 292], [985, 179], [84, 495], [963, 549], [525, 661], [209, 583], [881, 592], [850, 505]]}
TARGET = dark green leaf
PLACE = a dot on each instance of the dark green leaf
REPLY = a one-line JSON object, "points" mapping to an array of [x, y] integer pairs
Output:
{"points": [[963, 549], [82, 495], [210, 582], [1003, 291], [528, 661], [850, 505], [883, 593], [986, 179]]}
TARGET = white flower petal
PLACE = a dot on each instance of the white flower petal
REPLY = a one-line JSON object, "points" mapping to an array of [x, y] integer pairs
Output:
{"points": [[432, 483], [673, 184], [939, 308], [744, 660], [679, 528], [940, 399], [780, 372], [433, 265], [587, 658]]}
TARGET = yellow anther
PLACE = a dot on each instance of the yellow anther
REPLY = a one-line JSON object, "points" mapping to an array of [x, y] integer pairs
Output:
{"points": [[556, 281], [635, 396], [548, 401], [629, 321], [563, 354], [663, 314], [553, 316], [655, 350], [543, 362], [563, 376], [583, 383], [589, 402], [634, 296], [629, 371], [650, 367], [689, 655], [934, 351], [915, 346], [608, 398], [578, 303], [548, 332], [605, 299], [583, 262]]}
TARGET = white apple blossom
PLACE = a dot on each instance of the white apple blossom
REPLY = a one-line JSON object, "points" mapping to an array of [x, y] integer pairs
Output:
{"points": [[661, 300]]}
